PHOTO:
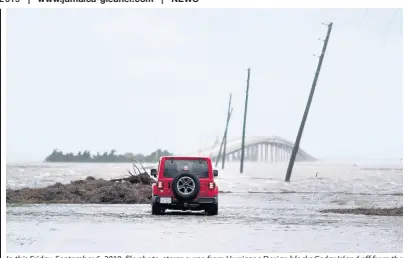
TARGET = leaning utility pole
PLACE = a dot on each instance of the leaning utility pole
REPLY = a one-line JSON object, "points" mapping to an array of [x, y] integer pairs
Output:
{"points": [[304, 117], [226, 131], [219, 153], [242, 156]]}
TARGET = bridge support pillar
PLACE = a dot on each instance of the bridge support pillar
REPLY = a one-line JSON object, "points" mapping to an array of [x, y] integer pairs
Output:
{"points": [[277, 153], [264, 152], [271, 153], [256, 153], [286, 153], [283, 154], [262, 147]]}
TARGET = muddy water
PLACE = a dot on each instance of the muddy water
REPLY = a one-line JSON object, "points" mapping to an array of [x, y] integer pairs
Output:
{"points": [[258, 213]]}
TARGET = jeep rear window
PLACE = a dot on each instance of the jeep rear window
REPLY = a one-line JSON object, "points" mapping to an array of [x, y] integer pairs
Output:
{"points": [[198, 167]]}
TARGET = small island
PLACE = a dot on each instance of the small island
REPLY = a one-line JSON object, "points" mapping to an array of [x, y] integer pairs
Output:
{"points": [[111, 157]]}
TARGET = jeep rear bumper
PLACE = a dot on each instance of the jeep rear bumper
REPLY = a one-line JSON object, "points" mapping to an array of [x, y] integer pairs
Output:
{"points": [[196, 204]]}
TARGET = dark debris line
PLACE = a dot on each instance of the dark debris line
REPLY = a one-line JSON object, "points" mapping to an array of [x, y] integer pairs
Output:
{"points": [[397, 211], [135, 189]]}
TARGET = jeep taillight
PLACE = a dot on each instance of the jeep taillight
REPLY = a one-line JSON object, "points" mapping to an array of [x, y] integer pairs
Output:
{"points": [[211, 185], [160, 184]]}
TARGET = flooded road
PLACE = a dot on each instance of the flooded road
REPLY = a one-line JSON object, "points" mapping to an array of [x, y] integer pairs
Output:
{"points": [[258, 213]]}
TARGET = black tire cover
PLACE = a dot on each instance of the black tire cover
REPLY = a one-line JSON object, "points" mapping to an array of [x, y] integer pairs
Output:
{"points": [[179, 195]]}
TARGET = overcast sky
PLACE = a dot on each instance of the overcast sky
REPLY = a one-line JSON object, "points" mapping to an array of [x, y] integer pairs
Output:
{"points": [[138, 80]]}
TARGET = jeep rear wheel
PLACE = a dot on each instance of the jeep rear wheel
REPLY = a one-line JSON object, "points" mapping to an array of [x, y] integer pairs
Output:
{"points": [[156, 209], [185, 186], [212, 209]]}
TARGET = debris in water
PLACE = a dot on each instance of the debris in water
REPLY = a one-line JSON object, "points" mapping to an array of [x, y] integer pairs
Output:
{"points": [[397, 211], [133, 189]]}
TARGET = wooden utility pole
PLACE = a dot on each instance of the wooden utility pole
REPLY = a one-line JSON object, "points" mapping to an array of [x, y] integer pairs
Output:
{"points": [[219, 152], [304, 117], [242, 156], [226, 130], [228, 118]]}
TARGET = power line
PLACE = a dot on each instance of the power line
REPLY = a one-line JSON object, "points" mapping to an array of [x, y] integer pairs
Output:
{"points": [[389, 23], [362, 18]]}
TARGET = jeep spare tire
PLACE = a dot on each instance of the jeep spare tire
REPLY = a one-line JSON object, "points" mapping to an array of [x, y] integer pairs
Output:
{"points": [[185, 186]]}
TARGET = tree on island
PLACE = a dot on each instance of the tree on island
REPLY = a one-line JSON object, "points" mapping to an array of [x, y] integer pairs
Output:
{"points": [[111, 157]]}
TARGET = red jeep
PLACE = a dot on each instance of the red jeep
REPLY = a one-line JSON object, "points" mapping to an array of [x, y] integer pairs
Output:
{"points": [[184, 183]]}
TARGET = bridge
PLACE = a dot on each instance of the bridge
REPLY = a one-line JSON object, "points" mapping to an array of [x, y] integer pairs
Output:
{"points": [[257, 149]]}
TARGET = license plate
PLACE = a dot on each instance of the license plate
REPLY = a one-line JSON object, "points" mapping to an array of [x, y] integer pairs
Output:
{"points": [[165, 200]]}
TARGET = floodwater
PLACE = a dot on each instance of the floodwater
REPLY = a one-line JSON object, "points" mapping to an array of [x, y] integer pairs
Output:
{"points": [[258, 212]]}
